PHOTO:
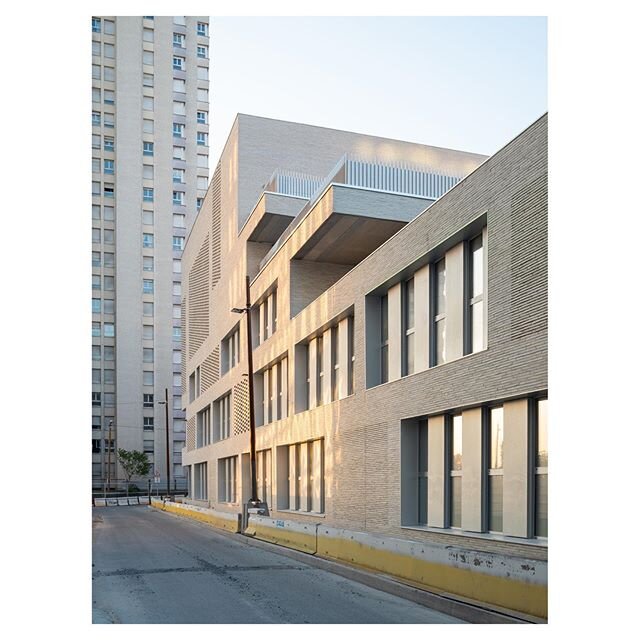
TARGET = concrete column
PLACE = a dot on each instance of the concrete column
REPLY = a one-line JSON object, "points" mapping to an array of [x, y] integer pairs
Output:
{"points": [[394, 298], [421, 311], [313, 365], [454, 290], [284, 384], [515, 467], [437, 472], [472, 470], [326, 366], [343, 358]]}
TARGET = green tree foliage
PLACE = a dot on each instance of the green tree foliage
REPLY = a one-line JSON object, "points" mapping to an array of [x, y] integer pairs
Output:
{"points": [[133, 463]]}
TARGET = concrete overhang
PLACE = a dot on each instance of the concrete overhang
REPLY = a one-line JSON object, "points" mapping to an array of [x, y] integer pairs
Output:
{"points": [[356, 223], [272, 215]]}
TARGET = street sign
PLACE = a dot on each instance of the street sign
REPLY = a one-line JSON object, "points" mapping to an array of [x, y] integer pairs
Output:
{"points": [[156, 476]]}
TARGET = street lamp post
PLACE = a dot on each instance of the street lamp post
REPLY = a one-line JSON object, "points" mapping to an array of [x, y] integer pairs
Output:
{"points": [[254, 502], [165, 402]]}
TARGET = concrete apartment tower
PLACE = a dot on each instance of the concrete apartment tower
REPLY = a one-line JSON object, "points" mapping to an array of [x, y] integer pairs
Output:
{"points": [[150, 122]]}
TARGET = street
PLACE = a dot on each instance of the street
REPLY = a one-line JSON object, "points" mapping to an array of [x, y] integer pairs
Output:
{"points": [[152, 567]]}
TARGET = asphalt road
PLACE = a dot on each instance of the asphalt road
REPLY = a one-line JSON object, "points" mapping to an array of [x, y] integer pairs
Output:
{"points": [[152, 567]]}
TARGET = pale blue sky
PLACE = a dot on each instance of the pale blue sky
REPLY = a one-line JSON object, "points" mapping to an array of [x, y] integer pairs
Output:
{"points": [[465, 83]]}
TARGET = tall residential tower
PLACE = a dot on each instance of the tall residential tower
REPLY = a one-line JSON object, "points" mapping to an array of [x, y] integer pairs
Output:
{"points": [[150, 123]]}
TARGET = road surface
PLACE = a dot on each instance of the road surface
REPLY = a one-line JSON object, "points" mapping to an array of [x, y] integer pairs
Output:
{"points": [[152, 567]]}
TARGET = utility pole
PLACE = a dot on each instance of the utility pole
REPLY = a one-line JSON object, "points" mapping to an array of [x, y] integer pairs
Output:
{"points": [[254, 501]]}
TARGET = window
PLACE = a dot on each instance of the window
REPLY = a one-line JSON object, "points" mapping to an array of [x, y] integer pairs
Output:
{"points": [[303, 464], [203, 162], [109, 27], [147, 194], [439, 317], [147, 400], [178, 130], [147, 240], [178, 243], [203, 427], [147, 445], [222, 418], [177, 380], [109, 212], [541, 470], [109, 74], [95, 165], [202, 138], [147, 423], [179, 153], [455, 472], [95, 212], [95, 329], [179, 86], [495, 472], [198, 203], [147, 80], [147, 217], [108, 190], [109, 120], [147, 148], [108, 330], [319, 371], [95, 422], [179, 108], [227, 479], [202, 51], [109, 97], [109, 50], [147, 103], [108, 143], [95, 141], [95, 448], [109, 283], [147, 125], [384, 339], [423, 471], [200, 481], [95, 352], [177, 334], [179, 20], [108, 166], [147, 263], [95, 282], [475, 339], [147, 171], [96, 304], [179, 425], [109, 376], [201, 117], [147, 58], [147, 286], [178, 176], [147, 378], [177, 266], [351, 357], [147, 329], [96, 398], [95, 71], [178, 40], [202, 73], [95, 25], [275, 391], [147, 355], [202, 182], [177, 289], [203, 95], [230, 350], [95, 93], [177, 359], [109, 353], [108, 305], [95, 118], [263, 475], [147, 35], [335, 362], [202, 29], [178, 63], [109, 236], [95, 235], [408, 321]]}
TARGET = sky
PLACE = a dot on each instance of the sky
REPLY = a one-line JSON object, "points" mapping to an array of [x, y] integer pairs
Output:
{"points": [[470, 83]]}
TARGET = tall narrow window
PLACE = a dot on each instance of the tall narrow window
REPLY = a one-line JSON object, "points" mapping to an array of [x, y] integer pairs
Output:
{"points": [[351, 357], [408, 318], [476, 295], [319, 371], [496, 435], [541, 470], [439, 309], [384, 339], [335, 362], [422, 472], [227, 483], [455, 473]]}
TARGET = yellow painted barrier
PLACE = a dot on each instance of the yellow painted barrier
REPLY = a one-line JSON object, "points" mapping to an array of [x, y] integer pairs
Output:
{"points": [[208, 516], [290, 535]]}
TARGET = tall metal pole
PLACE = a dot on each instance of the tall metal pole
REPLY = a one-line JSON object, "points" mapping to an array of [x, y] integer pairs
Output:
{"points": [[166, 426], [252, 420]]}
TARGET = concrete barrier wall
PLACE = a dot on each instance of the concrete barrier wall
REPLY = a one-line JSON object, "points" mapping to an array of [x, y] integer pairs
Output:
{"points": [[495, 579], [219, 519]]}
